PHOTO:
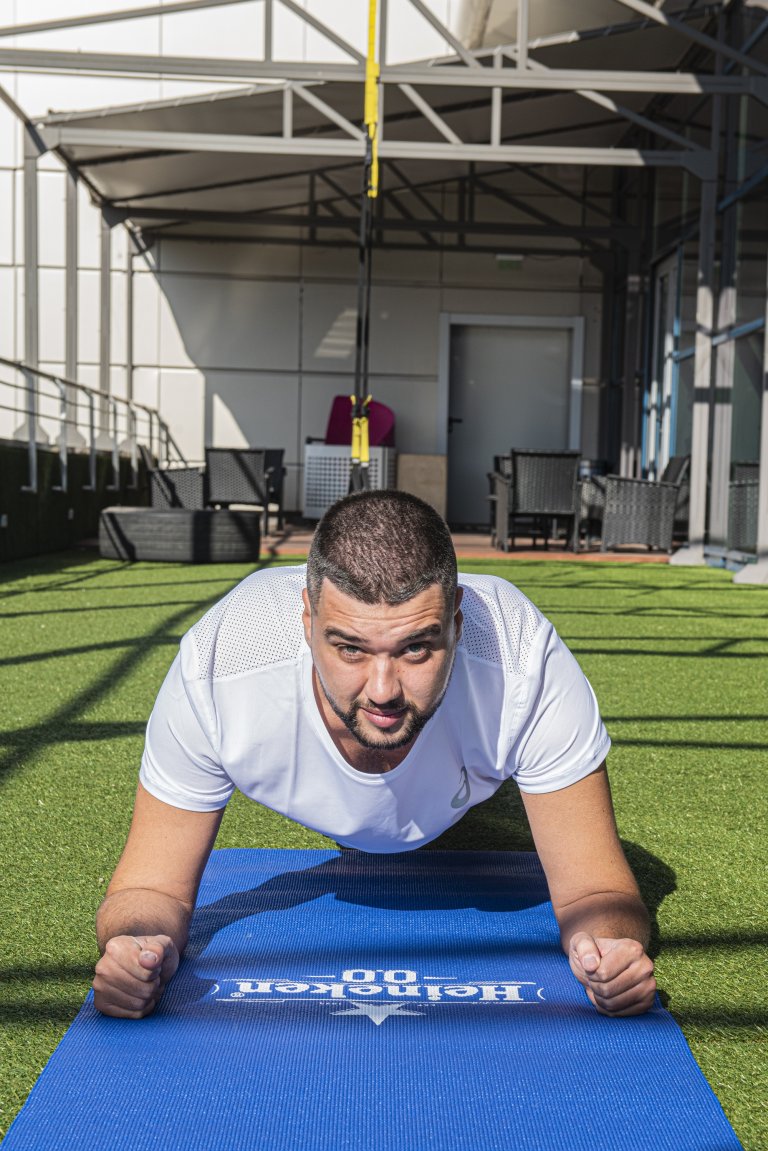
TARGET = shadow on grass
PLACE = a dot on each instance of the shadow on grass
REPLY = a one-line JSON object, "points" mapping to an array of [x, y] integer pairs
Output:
{"points": [[23, 743]]}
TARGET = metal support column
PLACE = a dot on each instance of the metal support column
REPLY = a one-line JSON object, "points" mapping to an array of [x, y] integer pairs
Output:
{"points": [[105, 334], [29, 429], [693, 553], [74, 438], [131, 440], [725, 351], [757, 573]]}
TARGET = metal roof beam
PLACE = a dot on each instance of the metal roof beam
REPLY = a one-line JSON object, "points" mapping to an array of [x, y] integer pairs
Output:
{"points": [[390, 245], [526, 209], [408, 223], [168, 9], [414, 190], [429, 112], [716, 46], [559, 190], [625, 113], [309, 97], [112, 17], [66, 135], [447, 76]]}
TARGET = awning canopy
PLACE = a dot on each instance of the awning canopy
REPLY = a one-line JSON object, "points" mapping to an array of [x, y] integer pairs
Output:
{"points": [[487, 145]]}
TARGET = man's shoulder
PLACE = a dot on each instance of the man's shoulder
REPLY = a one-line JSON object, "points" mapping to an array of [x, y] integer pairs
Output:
{"points": [[500, 622], [258, 624]]}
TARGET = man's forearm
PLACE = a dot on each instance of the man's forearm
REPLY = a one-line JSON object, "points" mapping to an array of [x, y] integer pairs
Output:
{"points": [[610, 914], [138, 911]]}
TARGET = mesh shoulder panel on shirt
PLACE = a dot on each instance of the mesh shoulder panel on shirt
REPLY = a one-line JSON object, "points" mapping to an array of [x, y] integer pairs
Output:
{"points": [[500, 623], [257, 624]]}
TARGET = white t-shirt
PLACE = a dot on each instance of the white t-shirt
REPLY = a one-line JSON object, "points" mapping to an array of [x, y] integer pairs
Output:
{"points": [[237, 710]]}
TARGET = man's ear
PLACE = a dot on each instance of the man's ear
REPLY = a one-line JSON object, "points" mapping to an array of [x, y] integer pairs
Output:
{"points": [[306, 617]]}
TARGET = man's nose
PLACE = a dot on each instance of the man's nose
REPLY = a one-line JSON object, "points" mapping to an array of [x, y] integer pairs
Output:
{"points": [[383, 687]]}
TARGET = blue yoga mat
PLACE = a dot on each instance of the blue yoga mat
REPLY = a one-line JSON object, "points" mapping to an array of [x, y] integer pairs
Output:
{"points": [[343, 1002]]}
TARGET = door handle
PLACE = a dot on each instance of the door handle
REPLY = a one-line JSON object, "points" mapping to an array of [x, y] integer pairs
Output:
{"points": [[453, 420]]}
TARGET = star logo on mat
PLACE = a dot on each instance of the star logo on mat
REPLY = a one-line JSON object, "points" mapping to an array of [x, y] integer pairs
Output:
{"points": [[378, 1012]]}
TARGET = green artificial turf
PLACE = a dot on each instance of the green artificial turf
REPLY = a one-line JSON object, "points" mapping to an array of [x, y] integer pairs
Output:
{"points": [[678, 660]]}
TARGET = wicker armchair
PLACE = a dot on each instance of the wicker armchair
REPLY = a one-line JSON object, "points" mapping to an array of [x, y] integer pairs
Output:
{"points": [[239, 476], [645, 512], [540, 488], [177, 488]]}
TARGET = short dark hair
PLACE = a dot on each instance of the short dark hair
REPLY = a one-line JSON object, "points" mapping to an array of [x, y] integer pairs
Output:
{"points": [[382, 547]]}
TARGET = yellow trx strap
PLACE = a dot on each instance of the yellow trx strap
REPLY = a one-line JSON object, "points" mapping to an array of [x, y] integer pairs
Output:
{"points": [[372, 100], [360, 450]]}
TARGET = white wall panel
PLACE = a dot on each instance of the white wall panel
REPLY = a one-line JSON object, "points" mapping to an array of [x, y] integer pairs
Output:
{"points": [[88, 230], [140, 36], [332, 264], [88, 316], [257, 261], [18, 219], [483, 270], [52, 315], [403, 327], [19, 297], [146, 386], [172, 351], [6, 216], [404, 331], [7, 314], [119, 247], [10, 138], [512, 303], [410, 36], [146, 318], [118, 342], [218, 323], [226, 32], [353, 28], [51, 196], [317, 394], [182, 405], [29, 11], [253, 409], [288, 35], [118, 386]]}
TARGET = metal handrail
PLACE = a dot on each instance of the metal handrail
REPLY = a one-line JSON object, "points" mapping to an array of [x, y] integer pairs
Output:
{"points": [[158, 436]]}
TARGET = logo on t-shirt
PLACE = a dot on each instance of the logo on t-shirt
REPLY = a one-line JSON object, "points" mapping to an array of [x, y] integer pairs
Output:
{"points": [[461, 798]]}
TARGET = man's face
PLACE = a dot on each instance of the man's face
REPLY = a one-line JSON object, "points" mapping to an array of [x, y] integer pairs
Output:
{"points": [[382, 669]]}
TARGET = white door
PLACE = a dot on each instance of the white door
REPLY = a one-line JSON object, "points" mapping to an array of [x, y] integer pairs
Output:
{"points": [[509, 387]]}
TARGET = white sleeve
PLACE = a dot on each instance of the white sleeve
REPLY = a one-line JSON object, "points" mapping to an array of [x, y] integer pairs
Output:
{"points": [[179, 764], [562, 737]]}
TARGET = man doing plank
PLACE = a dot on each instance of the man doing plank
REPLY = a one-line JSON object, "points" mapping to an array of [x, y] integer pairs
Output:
{"points": [[373, 696]]}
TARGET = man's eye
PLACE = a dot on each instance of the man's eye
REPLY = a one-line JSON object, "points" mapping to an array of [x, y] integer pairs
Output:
{"points": [[416, 649], [349, 649]]}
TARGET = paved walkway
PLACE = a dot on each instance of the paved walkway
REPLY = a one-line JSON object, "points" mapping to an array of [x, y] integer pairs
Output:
{"points": [[295, 539]]}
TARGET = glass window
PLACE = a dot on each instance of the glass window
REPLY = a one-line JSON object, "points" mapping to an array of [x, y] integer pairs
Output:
{"points": [[752, 257], [683, 408], [747, 397]]}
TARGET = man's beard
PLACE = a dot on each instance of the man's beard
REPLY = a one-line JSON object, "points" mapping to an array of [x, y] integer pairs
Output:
{"points": [[415, 721]]}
